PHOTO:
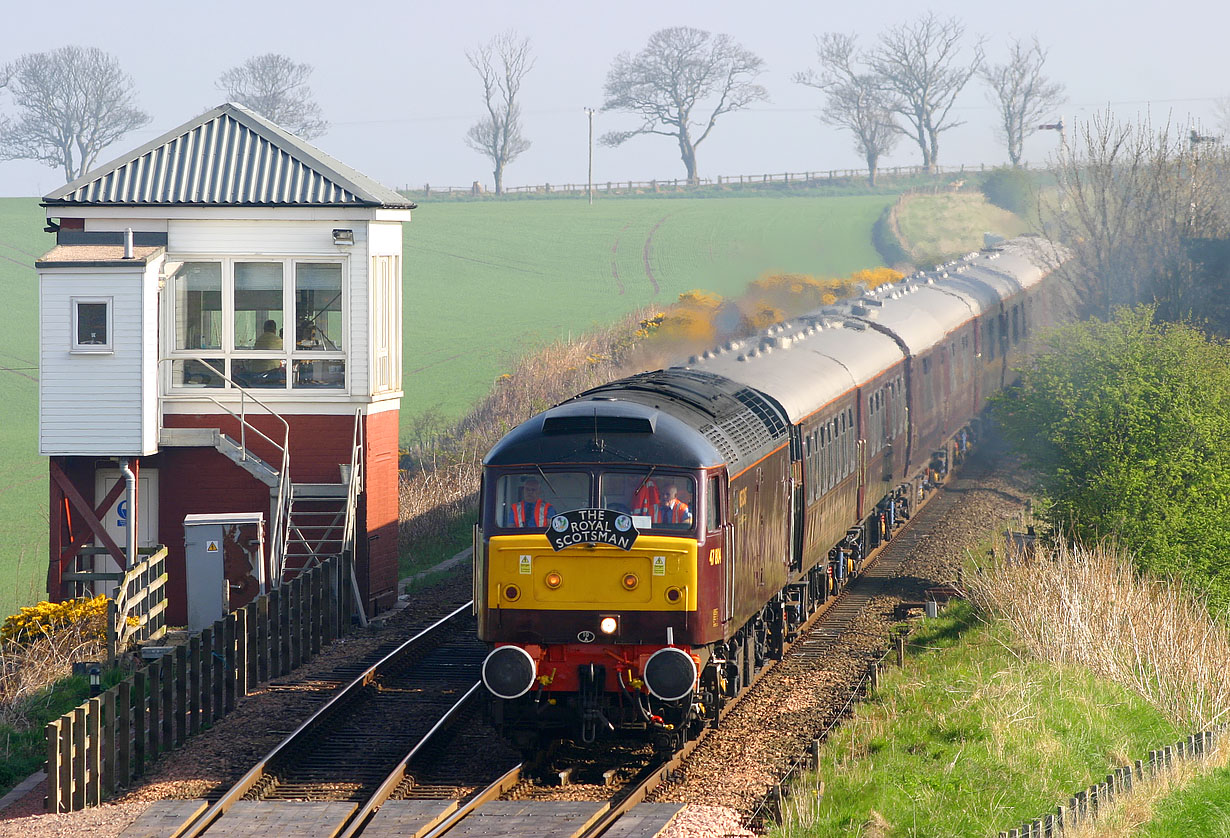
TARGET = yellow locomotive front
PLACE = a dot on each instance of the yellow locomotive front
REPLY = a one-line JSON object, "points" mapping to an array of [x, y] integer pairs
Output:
{"points": [[590, 571]]}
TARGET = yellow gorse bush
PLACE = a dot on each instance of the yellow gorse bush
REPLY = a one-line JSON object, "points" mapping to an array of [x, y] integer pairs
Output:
{"points": [[88, 614]]}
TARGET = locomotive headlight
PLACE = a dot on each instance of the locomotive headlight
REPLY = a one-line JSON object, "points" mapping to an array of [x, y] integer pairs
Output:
{"points": [[608, 625], [630, 581], [512, 593], [673, 595], [553, 580]]}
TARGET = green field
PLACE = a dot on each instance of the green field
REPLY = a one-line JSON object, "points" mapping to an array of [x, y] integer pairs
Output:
{"points": [[484, 282], [23, 473]]}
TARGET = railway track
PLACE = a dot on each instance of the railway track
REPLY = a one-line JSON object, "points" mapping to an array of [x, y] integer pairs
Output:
{"points": [[355, 748], [394, 735], [814, 639]]}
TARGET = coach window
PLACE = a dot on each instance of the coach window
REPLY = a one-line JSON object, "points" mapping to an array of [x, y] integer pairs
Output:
{"points": [[1016, 316]]}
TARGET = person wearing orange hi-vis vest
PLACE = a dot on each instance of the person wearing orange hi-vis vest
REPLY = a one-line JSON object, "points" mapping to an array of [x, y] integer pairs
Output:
{"points": [[646, 499], [531, 510], [672, 510]]}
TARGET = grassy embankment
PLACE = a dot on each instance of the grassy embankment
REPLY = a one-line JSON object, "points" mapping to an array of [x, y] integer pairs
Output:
{"points": [[971, 737], [932, 228], [1005, 711]]}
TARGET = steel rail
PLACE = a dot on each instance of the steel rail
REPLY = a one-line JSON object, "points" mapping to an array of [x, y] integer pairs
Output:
{"points": [[398, 774], [506, 781], [200, 824]]}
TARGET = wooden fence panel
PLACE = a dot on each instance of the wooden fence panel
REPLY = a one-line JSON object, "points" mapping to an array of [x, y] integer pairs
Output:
{"points": [[113, 738]]}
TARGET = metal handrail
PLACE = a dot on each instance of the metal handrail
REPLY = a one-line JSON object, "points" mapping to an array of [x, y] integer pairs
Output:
{"points": [[355, 486], [280, 526]]}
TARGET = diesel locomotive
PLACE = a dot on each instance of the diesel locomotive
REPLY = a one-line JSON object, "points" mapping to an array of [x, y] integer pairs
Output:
{"points": [[644, 547]]}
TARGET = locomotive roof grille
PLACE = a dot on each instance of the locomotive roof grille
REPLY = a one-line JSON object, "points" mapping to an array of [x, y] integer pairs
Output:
{"points": [[763, 410], [598, 424]]}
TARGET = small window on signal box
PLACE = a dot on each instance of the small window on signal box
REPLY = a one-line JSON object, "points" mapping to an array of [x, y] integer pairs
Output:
{"points": [[91, 324]]}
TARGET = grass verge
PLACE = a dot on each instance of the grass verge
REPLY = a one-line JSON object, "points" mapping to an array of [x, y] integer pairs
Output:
{"points": [[970, 736]]}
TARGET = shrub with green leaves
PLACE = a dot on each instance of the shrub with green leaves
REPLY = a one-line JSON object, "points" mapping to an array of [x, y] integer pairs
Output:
{"points": [[1008, 188], [1126, 424]]}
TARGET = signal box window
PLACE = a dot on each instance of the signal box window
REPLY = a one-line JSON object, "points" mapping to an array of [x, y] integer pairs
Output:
{"points": [[528, 500], [91, 324], [655, 500]]}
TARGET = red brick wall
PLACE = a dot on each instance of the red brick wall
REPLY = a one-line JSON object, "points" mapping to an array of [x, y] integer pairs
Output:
{"points": [[202, 480], [380, 508]]}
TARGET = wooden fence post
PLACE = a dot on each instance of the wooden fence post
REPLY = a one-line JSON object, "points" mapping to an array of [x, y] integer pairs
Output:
{"points": [[264, 670], [51, 803], [109, 748], [155, 709], [292, 621], [182, 706], [901, 649], [250, 619], [229, 663], [207, 678], [93, 752], [217, 665], [168, 702], [123, 717], [79, 759], [139, 727], [273, 632], [194, 685], [241, 653], [66, 763]]}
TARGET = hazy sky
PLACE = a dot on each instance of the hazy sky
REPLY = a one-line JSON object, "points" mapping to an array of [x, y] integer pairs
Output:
{"points": [[393, 80]]}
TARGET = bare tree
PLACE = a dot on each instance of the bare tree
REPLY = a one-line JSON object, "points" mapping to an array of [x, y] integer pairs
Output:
{"points": [[71, 102], [1130, 204], [1021, 94], [277, 89], [682, 70], [920, 64], [856, 101], [502, 64]]}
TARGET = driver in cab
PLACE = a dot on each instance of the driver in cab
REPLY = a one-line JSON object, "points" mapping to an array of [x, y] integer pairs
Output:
{"points": [[531, 510]]}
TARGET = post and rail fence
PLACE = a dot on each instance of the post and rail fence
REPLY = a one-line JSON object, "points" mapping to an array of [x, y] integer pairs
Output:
{"points": [[115, 737], [633, 187]]}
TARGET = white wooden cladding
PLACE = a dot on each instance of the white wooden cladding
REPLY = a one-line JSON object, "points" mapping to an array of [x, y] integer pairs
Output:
{"points": [[99, 403]]}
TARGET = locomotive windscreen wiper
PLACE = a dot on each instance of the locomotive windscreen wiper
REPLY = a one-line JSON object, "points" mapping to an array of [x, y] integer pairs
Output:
{"points": [[545, 479]]}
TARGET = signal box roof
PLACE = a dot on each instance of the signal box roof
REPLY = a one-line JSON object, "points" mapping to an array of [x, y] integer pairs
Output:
{"points": [[228, 156]]}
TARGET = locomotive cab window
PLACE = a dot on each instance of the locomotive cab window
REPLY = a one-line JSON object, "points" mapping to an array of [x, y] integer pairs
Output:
{"points": [[528, 500], [713, 517], [657, 500]]}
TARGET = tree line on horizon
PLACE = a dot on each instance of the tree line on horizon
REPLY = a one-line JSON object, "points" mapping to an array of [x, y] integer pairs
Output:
{"points": [[72, 102]]}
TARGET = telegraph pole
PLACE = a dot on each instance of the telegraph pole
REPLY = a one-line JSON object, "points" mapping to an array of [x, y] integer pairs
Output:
{"points": [[589, 182]]}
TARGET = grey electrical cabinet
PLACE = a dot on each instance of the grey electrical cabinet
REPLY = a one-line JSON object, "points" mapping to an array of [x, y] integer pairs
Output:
{"points": [[224, 564]]}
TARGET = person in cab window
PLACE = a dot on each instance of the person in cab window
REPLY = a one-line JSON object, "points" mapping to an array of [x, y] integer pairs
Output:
{"points": [[645, 499], [672, 510], [531, 510]]}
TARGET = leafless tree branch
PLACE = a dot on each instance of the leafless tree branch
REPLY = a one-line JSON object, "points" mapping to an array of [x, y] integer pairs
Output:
{"points": [[71, 103], [277, 89], [680, 71], [502, 64]]}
